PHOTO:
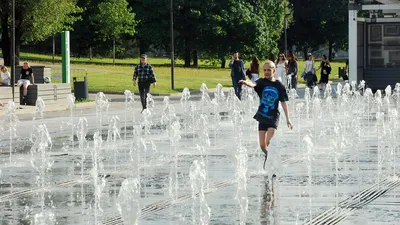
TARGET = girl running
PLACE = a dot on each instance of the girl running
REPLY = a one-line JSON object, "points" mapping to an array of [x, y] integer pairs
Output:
{"points": [[270, 92]]}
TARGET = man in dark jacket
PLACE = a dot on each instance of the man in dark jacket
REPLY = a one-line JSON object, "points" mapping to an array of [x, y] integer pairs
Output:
{"points": [[145, 75], [237, 73]]}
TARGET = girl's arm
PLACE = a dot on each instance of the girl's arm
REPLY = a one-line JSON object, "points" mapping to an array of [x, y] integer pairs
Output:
{"points": [[285, 109], [248, 84]]}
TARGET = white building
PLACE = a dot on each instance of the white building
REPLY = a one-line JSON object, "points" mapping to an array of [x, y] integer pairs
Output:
{"points": [[374, 42]]}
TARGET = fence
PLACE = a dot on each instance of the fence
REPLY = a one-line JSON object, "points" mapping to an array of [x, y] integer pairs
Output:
{"points": [[78, 73]]}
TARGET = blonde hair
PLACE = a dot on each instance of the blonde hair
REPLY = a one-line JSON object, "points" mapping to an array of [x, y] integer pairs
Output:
{"points": [[27, 64], [271, 64], [272, 67], [4, 67]]}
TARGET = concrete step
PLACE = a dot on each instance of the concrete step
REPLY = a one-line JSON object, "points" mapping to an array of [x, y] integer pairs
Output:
{"points": [[48, 92]]}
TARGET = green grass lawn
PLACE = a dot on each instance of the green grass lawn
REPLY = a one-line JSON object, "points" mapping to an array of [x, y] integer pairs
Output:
{"points": [[119, 78], [103, 76]]}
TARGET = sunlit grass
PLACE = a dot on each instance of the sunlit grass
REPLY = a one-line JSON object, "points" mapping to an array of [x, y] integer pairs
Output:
{"points": [[103, 76]]}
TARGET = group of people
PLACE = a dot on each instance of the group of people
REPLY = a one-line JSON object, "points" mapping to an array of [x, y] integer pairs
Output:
{"points": [[286, 71], [26, 78], [309, 73]]}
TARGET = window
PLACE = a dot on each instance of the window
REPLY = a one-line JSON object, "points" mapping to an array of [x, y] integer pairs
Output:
{"points": [[383, 46]]}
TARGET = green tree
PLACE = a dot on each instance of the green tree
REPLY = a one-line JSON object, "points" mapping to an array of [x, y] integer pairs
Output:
{"points": [[85, 35], [35, 20], [305, 32], [251, 27], [334, 23], [319, 22], [114, 18], [212, 29]]}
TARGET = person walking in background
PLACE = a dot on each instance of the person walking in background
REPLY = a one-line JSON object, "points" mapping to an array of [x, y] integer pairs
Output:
{"points": [[281, 69], [5, 76], [145, 75], [309, 69], [271, 92], [346, 71], [325, 71], [26, 78], [255, 69], [292, 71], [237, 73]]}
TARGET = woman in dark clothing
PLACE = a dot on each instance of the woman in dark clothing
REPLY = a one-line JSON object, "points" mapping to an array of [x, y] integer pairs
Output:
{"points": [[325, 71], [255, 69], [293, 70]]}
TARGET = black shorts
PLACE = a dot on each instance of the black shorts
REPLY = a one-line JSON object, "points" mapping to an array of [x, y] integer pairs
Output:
{"points": [[264, 126]]}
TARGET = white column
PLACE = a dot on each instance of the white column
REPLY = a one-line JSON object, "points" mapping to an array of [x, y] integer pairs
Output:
{"points": [[353, 45]]}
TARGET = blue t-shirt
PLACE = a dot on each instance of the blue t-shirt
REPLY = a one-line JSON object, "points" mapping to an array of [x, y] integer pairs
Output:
{"points": [[270, 93]]}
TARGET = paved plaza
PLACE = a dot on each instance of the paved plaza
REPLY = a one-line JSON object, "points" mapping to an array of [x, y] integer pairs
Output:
{"points": [[196, 161]]}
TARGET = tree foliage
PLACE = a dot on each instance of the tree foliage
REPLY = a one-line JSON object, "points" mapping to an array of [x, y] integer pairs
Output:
{"points": [[47, 17], [114, 18], [202, 29], [318, 22], [35, 21], [212, 29]]}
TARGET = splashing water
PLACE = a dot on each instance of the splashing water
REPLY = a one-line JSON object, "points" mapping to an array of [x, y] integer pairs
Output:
{"points": [[219, 94], [45, 217], [39, 108], [241, 176], [328, 91], [205, 100], [173, 179], [201, 212], [309, 152], [71, 102], [99, 182], [41, 162], [232, 100], [316, 92], [150, 102], [128, 202], [339, 89], [362, 86], [146, 120], [101, 110], [185, 96], [129, 106], [10, 124], [184, 102], [114, 136], [81, 132]]}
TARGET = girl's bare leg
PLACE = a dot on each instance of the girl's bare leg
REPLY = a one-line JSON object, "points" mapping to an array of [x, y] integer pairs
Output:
{"points": [[265, 139]]}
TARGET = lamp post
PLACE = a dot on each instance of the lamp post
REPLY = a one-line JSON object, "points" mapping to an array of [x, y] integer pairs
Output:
{"points": [[172, 43], [13, 50], [285, 27], [285, 32]]}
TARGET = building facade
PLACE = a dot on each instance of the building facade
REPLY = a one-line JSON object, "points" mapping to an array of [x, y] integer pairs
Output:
{"points": [[374, 42]]}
